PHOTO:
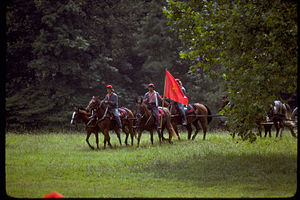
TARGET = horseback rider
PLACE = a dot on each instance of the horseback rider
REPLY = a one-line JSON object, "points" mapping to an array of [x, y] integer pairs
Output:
{"points": [[111, 99], [151, 100], [181, 105]]}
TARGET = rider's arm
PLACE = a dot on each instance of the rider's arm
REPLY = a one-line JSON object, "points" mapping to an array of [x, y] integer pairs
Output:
{"points": [[145, 100], [113, 101], [158, 96]]}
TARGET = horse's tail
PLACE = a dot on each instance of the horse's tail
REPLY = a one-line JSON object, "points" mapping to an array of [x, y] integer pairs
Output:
{"points": [[294, 113], [209, 113], [288, 112], [169, 124]]}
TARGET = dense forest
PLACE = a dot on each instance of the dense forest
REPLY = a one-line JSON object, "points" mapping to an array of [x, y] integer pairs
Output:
{"points": [[61, 53]]}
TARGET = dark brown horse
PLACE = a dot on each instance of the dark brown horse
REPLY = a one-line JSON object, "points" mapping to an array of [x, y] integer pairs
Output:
{"points": [[192, 119], [81, 114], [107, 123], [145, 121]]}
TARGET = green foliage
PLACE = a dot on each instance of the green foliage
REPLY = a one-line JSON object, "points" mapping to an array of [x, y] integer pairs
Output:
{"points": [[37, 164], [252, 46]]}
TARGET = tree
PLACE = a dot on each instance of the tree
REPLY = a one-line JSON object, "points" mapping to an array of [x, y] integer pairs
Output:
{"points": [[251, 45], [61, 53]]}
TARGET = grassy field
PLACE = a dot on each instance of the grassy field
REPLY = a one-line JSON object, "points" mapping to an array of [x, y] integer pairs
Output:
{"points": [[217, 167]]}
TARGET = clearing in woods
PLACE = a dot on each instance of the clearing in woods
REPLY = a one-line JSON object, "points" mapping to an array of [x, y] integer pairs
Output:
{"points": [[36, 164]]}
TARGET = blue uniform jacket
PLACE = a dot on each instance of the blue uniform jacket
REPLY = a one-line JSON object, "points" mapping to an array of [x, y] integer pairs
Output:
{"points": [[112, 100]]}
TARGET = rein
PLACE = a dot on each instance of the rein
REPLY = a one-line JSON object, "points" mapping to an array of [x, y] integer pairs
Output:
{"points": [[144, 114]]}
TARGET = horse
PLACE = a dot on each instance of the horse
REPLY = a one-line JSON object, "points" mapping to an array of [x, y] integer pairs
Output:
{"points": [[145, 121], [106, 122], [281, 115], [81, 114], [267, 127], [192, 119]]}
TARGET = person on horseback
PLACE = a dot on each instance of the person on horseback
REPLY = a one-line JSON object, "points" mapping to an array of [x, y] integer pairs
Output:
{"points": [[181, 105], [151, 100], [111, 99]]}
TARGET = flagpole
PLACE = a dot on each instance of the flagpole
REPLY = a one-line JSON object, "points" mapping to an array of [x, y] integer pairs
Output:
{"points": [[163, 103]]}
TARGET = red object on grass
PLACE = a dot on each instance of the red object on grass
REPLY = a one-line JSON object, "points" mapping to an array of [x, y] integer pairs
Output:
{"points": [[53, 195]]}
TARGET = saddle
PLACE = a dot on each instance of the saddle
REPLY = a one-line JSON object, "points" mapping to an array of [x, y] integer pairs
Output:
{"points": [[190, 109], [160, 112], [123, 114]]}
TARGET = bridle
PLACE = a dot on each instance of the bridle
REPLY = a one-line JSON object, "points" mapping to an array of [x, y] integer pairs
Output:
{"points": [[140, 116], [78, 117]]}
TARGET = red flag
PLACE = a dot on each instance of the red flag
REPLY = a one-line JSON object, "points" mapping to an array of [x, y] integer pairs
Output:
{"points": [[173, 90]]}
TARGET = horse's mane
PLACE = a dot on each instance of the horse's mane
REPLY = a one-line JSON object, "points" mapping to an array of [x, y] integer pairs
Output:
{"points": [[139, 100]]}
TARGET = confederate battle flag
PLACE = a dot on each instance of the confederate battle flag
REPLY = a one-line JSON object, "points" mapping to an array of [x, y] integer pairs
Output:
{"points": [[173, 90]]}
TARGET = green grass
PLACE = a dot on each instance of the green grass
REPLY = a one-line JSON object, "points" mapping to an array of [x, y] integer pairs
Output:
{"points": [[217, 167]]}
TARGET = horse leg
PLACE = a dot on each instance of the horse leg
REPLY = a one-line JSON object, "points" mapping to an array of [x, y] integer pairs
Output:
{"points": [[162, 133], [176, 131], [159, 135], [106, 139], [268, 129], [259, 129], [118, 135], [281, 132], [203, 124], [233, 135], [170, 139], [151, 137], [97, 139], [127, 134], [132, 134], [277, 128], [138, 139], [190, 130], [88, 134]]}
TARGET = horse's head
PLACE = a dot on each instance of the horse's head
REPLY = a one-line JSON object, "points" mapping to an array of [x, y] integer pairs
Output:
{"points": [[93, 104], [139, 107], [75, 115], [140, 110]]}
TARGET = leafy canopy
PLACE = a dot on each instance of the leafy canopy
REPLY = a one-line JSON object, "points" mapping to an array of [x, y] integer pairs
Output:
{"points": [[251, 45]]}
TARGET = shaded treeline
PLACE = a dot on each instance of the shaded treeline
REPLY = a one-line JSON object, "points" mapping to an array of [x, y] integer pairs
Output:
{"points": [[61, 53]]}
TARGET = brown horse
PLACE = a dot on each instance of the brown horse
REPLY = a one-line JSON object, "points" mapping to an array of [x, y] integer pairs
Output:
{"points": [[192, 119], [107, 123], [145, 121], [81, 114]]}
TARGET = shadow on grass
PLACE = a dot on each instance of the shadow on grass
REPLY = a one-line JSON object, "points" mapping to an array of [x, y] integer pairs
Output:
{"points": [[258, 171]]}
